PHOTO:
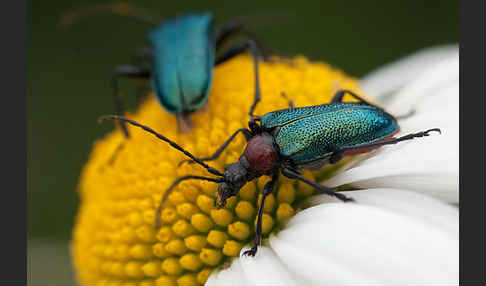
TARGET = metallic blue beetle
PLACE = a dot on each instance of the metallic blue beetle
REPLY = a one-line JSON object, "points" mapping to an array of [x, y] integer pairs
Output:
{"points": [[182, 54]]}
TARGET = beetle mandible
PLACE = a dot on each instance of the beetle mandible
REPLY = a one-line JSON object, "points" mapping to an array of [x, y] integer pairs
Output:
{"points": [[182, 54], [290, 140]]}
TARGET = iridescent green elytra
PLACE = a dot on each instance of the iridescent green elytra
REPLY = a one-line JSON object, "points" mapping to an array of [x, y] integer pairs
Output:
{"points": [[309, 133]]}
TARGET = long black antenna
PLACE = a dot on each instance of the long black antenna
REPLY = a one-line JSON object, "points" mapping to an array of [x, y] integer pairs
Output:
{"points": [[118, 8], [174, 184], [162, 137]]}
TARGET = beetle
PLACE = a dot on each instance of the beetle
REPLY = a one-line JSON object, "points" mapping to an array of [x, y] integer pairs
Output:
{"points": [[290, 140], [182, 54]]}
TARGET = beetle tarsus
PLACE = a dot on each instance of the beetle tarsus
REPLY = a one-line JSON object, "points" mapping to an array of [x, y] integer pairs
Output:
{"points": [[251, 252]]}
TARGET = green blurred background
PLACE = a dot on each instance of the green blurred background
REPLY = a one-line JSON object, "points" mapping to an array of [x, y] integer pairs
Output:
{"points": [[68, 72]]}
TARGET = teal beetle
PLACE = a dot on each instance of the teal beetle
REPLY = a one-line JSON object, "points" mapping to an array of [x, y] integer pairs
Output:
{"points": [[182, 54], [290, 140]]}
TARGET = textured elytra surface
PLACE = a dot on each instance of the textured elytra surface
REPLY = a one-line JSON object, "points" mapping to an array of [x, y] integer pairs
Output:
{"points": [[114, 239], [309, 133]]}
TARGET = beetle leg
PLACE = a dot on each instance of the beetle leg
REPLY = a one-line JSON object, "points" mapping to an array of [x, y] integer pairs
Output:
{"points": [[141, 55], [231, 29], [238, 49], [393, 140], [130, 72], [220, 150], [293, 175], [338, 97], [268, 189]]}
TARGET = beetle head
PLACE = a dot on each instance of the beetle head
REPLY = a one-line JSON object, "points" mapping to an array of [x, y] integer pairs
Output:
{"points": [[235, 177]]}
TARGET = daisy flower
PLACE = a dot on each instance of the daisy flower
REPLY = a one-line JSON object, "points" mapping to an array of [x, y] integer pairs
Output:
{"points": [[401, 231]]}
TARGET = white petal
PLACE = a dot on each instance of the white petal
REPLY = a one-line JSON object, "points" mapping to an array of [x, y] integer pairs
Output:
{"points": [[429, 165], [265, 269], [409, 203], [433, 78], [393, 76], [233, 276], [365, 244]]}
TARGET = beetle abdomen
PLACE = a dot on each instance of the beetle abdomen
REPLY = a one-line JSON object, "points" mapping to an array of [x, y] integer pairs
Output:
{"points": [[331, 127], [182, 64]]}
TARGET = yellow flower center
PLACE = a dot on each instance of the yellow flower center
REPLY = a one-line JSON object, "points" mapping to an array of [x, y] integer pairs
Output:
{"points": [[115, 241]]}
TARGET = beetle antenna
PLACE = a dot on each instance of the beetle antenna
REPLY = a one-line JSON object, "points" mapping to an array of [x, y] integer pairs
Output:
{"points": [[162, 137], [174, 184], [118, 8]]}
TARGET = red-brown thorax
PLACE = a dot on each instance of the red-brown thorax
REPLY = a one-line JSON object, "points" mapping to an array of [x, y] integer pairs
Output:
{"points": [[261, 153]]}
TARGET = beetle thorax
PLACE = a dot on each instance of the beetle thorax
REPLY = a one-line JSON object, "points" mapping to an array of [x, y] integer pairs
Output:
{"points": [[260, 153]]}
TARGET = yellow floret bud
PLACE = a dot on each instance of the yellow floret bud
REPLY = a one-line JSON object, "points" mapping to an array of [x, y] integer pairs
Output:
{"points": [[182, 228], [248, 192], [205, 203], [284, 212], [134, 269], [210, 256], [186, 210], [269, 203], [114, 283], [195, 242], [187, 280], [191, 194], [201, 222], [128, 235], [203, 275], [232, 248], [121, 252], [135, 219], [239, 230], [221, 217], [286, 194], [168, 215], [267, 223], [231, 202], [172, 266], [245, 210], [166, 280], [164, 234], [146, 234], [217, 238], [262, 181], [141, 251], [116, 269], [158, 250], [176, 198], [190, 261], [176, 246], [152, 269], [149, 217], [147, 283]]}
